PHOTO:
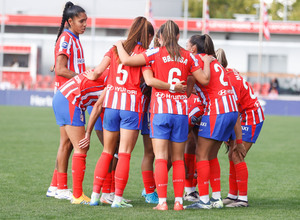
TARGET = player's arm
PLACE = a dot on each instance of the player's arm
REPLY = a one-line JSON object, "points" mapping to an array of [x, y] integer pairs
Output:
{"points": [[136, 60], [158, 84], [61, 67], [203, 76], [239, 146], [190, 85], [99, 69], [85, 142]]}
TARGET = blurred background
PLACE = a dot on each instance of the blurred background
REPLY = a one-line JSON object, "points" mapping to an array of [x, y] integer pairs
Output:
{"points": [[261, 38]]}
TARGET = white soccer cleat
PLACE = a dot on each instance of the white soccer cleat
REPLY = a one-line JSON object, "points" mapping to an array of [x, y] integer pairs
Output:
{"points": [[106, 198], [216, 203], [192, 197], [64, 194], [51, 191]]}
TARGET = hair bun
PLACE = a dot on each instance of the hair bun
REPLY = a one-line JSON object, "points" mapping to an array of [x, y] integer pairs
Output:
{"points": [[69, 4]]}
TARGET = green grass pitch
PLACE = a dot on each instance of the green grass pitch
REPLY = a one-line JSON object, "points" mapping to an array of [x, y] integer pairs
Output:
{"points": [[29, 140]]}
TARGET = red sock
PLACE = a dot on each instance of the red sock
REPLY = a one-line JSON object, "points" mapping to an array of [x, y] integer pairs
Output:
{"points": [[195, 172], [233, 187], [101, 170], [242, 178], [178, 177], [122, 173], [203, 170], [149, 182], [215, 175], [112, 189], [161, 177], [189, 160], [62, 182], [107, 183], [54, 179], [78, 170]]}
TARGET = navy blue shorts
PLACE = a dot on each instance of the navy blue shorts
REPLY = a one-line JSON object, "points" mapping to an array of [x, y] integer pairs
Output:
{"points": [[146, 124]]}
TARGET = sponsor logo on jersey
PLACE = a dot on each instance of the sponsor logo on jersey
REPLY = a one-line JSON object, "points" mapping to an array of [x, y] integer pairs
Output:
{"points": [[160, 95], [110, 87], [65, 45], [222, 92], [245, 128], [80, 60], [203, 124]]}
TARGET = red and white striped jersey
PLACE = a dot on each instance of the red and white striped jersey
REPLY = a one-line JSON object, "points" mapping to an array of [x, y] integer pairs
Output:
{"points": [[81, 91], [171, 71], [196, 110], [123, 84], [69, 45], [146, 90], [218, 96], [248, 104]]}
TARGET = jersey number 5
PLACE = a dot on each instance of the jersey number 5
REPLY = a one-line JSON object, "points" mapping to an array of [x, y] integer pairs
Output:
{"points": [[121, 80], [171, 78]]}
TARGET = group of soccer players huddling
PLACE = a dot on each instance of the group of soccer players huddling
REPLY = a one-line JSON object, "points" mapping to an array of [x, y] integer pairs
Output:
{"points": [[186, 102]]}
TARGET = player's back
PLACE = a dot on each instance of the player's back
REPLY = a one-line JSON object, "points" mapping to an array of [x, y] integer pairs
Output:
{"points": [[217, 96]]}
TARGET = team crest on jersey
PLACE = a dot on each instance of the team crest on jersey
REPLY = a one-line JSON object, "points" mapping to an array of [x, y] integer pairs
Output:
{"points": [[64, 45]]}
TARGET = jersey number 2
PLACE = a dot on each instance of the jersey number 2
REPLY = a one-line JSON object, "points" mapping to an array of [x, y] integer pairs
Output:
{"points": [[218, 68]]}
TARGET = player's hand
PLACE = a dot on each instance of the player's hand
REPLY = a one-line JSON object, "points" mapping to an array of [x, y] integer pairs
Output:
{"points": [[207, 58], [179, 87], [85, 142], [119, 43], [240, 150], [91, 75]]}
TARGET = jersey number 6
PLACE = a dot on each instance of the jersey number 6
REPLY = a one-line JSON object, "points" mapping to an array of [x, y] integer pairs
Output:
{"points": [[172, 79]]}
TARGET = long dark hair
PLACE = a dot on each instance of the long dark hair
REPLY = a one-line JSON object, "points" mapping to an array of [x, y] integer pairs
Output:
{"points": [[139, 33], [157, 36], [169, 33], [70, 11], [204, 44]]}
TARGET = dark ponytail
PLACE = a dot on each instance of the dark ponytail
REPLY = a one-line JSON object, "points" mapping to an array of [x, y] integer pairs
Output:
{"points": [[204, 44], [70, 11]]}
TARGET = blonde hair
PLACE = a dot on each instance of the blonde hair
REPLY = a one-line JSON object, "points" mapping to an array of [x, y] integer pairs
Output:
{"points": [[221, 57]]}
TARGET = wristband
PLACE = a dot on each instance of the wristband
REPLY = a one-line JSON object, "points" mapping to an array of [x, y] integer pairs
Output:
{"points": [[239, 141], [172, 87]]}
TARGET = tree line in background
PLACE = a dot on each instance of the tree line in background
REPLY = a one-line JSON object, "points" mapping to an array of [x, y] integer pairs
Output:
{"points": [[227, 8]]}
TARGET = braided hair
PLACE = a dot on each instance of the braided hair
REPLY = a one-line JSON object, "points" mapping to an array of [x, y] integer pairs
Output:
{"points": [[70, 11]]}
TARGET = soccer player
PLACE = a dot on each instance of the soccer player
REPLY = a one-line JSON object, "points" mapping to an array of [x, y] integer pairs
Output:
{"points": [[220, 116], [169, 121], [69, 62], [148, 159], [69, 103], [123, 103], [195, 114], [251, 122]]}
